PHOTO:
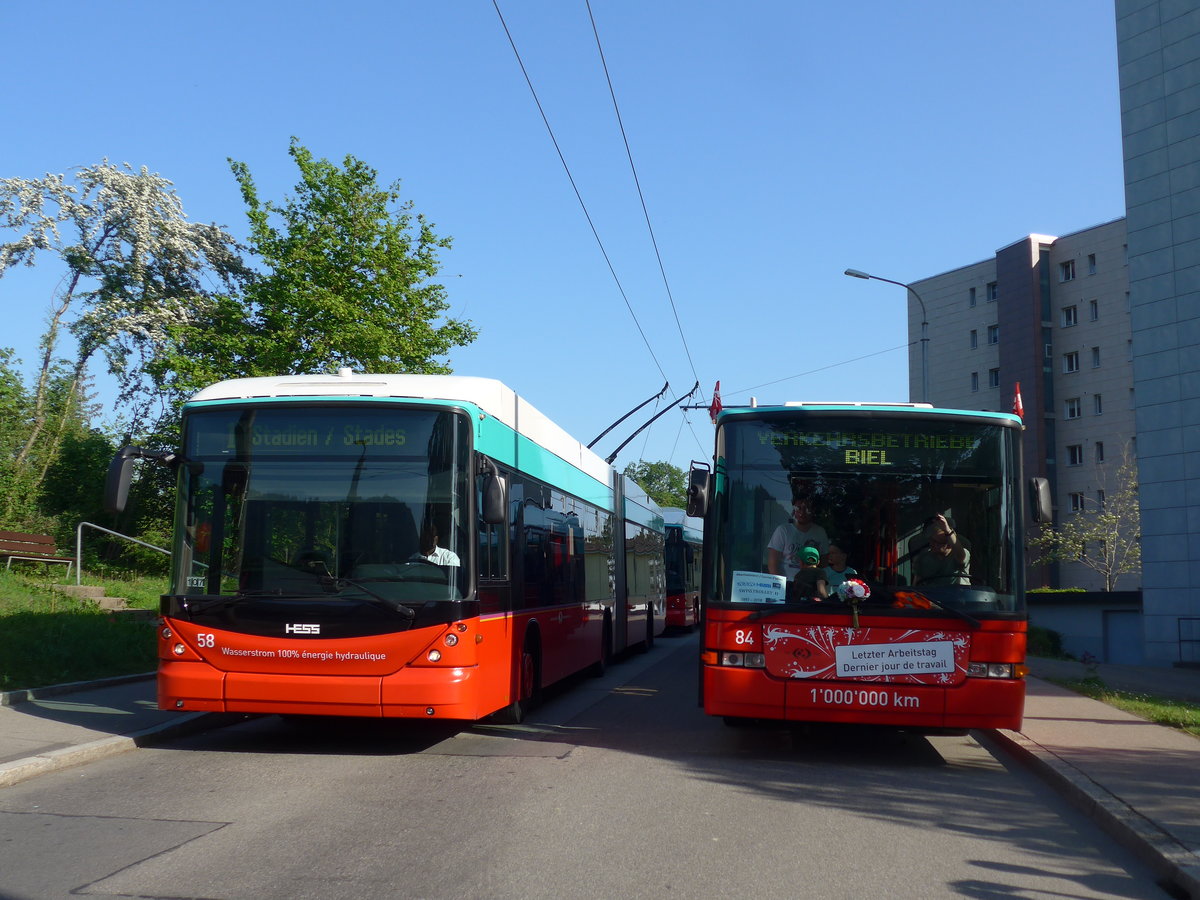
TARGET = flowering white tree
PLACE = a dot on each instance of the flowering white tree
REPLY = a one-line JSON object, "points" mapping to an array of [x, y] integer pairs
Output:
{"points": [[134, 268]]}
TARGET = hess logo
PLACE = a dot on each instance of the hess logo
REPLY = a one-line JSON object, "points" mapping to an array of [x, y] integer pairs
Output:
{"points": [[301, 629]]}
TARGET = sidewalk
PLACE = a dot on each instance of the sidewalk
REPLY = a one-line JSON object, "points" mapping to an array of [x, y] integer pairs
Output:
{"points": [[1139, 781], [51, 728]]}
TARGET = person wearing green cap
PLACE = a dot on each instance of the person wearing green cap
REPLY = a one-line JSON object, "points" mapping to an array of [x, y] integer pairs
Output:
{"points": [[809, 583]]}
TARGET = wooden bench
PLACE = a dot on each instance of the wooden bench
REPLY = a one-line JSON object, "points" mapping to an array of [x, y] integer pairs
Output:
{"points": [[31, 548]]}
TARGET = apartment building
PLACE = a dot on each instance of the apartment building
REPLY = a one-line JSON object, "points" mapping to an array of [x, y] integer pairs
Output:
{"points": [[1158, 65], [1051, 314]]}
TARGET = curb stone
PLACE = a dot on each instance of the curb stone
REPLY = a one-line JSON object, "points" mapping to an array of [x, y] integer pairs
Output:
{"points": [[63, 758]]}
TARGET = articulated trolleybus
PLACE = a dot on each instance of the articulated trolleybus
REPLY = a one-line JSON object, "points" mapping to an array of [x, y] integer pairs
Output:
{"points": [[920, 638], [413, 546], [684, 555]]}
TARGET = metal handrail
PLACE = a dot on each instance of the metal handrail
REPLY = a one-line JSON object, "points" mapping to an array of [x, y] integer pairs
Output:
{"points": [[79, 546]]}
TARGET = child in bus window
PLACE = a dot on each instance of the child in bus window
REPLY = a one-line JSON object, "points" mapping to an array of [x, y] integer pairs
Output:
{"points": [[837, 571], [809, 583]]}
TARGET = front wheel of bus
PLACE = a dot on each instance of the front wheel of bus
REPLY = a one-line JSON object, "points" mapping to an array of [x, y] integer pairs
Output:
{"points": [[529, 688]]}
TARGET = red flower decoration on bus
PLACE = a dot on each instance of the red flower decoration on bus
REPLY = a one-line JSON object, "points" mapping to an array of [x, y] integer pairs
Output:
{"points": [[853, 590]]}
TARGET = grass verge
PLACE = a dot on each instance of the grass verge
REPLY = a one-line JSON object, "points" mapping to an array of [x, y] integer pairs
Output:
{"points": [[49, 637], [1160, 710]]}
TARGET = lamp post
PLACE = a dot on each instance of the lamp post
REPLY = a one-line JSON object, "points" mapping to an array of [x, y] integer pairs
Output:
{"points": [[855, 273]]}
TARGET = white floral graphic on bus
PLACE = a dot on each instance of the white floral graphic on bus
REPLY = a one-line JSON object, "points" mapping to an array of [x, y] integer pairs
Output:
{"points": [[827, 652]]}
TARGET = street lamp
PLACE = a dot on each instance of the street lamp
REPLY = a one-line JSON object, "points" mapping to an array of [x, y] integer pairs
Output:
{"points": [[855, 273]]}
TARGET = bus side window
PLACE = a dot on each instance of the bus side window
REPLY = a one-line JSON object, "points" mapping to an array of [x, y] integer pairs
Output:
{"points": [[493, 541]]}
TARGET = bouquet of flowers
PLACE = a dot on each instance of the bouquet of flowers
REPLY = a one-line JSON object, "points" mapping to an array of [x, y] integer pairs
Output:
{"points": [[853, 590]]}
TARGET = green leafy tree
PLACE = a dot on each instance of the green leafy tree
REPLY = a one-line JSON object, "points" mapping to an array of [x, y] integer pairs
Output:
{"points": [[346, 280], [664, 483], [1105, 535]]}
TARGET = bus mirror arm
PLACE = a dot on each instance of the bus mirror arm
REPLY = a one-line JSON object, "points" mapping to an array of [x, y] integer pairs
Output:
{"points": [[120, 471]]}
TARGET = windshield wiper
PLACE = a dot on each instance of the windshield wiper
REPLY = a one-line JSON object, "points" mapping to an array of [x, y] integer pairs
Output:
{"points": [[395, 606]]}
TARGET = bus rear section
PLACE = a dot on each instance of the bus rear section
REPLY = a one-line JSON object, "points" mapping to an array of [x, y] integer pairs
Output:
{"points": [[916, 619]]}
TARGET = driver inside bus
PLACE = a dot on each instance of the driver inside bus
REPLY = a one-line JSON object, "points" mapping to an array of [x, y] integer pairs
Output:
{"points": [[431, 552], [945, 560]]}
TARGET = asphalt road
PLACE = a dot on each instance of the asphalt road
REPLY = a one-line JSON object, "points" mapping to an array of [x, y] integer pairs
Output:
{"points": [[617, 787]]}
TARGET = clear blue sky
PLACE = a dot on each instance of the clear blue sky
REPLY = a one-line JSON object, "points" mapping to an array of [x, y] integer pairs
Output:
{"points": [[777, 142]]}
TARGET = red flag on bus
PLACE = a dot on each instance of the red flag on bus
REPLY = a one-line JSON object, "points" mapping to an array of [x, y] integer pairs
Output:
{"points": [[1018, 406], [714, 408]]}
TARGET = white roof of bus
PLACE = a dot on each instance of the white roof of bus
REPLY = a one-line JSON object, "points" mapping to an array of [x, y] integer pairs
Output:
{"points": [[492, 396]]}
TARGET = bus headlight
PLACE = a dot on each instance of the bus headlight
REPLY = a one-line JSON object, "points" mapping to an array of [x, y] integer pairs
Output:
{"points": [[989, 670], [451, 639], [744, 660], [434, 655], [179, 649]]}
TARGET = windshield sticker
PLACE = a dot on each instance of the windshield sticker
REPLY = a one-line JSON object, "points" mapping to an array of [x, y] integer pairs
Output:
{"points": [[755, 587]]}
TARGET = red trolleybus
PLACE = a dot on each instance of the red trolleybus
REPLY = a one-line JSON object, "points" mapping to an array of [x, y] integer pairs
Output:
{"points": [[395, 546], [913, 641], [684, 556]]}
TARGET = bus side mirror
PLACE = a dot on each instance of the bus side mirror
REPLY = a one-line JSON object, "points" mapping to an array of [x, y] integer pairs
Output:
{"points": [[697, 490], [1039, 500], [494, 507], [116, 483]]}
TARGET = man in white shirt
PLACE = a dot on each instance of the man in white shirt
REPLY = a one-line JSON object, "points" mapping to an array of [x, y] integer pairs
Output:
{"points": [[431, 552], [790, 538]]}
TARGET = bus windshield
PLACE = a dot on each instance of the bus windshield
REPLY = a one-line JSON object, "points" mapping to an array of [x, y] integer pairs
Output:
{"points": [[882, 490], [355, 501]]}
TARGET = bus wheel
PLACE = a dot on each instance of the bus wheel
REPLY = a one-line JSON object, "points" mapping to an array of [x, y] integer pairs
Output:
{"points": [[529, 689], [600, 666], [649, 644]]}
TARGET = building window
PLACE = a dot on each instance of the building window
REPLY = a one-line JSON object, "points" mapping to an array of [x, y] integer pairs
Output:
{"points": [[1097, 405], [1100, 499], [1095, 357], [1075, 455], [1094, 309], [974, 381], [1129, 350], [972, 297], [974, 339], [1073, 408], [1099, 451], [993, 292], [1071, 362], [1076, 502], [993, 334], [1091, 263], [1070, 316], [1066, 271], [993, 378]]}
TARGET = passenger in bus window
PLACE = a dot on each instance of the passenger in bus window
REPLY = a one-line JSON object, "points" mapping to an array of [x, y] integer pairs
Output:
{"points": [[809, 583], [945, 560], [431, 552], [790, 539], [837, 571]]}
